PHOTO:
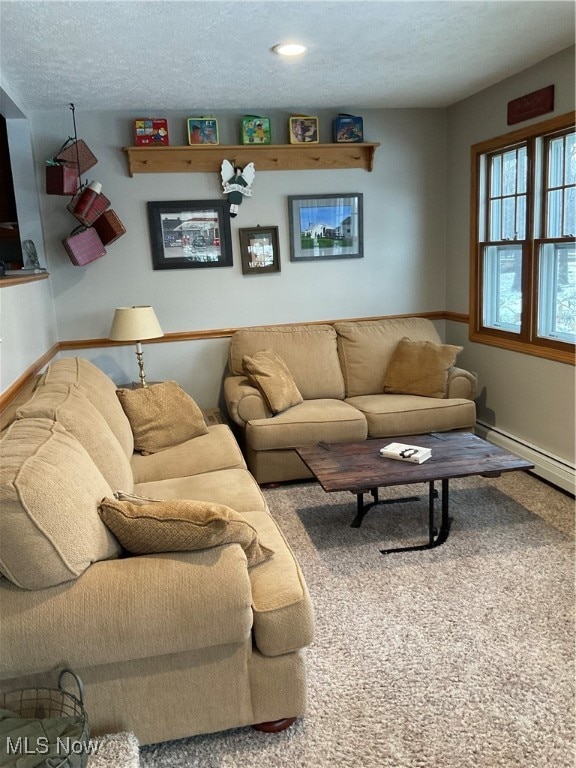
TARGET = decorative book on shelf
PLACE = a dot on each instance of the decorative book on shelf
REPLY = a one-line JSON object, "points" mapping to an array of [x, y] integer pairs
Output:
{"points": [[403, 452]]}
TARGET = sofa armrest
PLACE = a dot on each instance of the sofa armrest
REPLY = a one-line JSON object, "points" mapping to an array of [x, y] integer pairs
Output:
{"points": [[131, 608], [461, 384], [243, 401]]}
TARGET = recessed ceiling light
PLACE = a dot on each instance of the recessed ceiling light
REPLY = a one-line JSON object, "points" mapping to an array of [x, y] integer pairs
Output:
{"points": [[289, 49]]}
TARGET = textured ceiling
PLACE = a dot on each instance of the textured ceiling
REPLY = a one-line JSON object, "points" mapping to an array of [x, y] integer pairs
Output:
{"points": [[216, 54]]}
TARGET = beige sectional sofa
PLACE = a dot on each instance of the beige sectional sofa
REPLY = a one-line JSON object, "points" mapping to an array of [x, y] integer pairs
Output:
{"points": [[170, 644], [340, 371]]}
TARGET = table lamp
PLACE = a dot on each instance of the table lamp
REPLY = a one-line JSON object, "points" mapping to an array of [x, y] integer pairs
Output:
{"points": [[135, 324]]}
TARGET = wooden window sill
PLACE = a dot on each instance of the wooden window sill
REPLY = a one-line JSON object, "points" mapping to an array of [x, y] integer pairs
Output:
{"points": [[556, 354]]}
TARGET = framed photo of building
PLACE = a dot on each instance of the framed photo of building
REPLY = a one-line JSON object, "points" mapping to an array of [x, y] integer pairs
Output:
{"points": [[190, 234], [325, 227], [259, 250]]}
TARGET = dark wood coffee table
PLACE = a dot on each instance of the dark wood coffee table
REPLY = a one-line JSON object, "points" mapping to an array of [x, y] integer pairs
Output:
{"points": [[359, 468]]}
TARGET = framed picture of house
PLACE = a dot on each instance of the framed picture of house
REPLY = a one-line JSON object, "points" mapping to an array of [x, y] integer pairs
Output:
{"points": [[190, 234], [325, 227], [259, 250]]}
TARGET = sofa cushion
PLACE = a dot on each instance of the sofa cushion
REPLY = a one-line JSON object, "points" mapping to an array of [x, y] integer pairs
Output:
{"points": [[282, 610], [420, 368], [310, 352], [69, 406], [217, 449], [50, 489], [283, 615], [365, 349], [235, 488], [126, 609], [161, 415], [98, 388], [269, 373], [179, 526], [330, 420], [394, 415]]}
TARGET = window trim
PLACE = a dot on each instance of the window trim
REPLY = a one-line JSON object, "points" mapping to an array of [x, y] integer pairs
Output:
{"points": [[526, 342]]}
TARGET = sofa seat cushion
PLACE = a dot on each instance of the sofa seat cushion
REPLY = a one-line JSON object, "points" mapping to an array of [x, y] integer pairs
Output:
{"points": [[98, 388], [283, 615], [333, 421], [130, 608], [73, 410], [217, 449], [50, 489], [310, 353], [365, 349], [235, 488], [392, 415]]}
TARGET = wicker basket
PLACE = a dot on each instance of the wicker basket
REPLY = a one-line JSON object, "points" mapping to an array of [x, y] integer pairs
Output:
{"points": [[83, 246], [77, 155], [96, 209], [109, 227], [41, 703]]}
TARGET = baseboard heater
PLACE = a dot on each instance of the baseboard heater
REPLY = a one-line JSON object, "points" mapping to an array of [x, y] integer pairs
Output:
{"points": [[547, 466]]}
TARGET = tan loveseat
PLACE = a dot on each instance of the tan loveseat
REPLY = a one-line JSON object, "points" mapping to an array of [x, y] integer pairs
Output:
{"points": [[339, 371], [168, 645]]}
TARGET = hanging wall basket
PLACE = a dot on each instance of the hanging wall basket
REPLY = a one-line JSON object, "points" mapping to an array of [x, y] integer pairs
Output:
{"points": [[77, 154], [109, 227], [84, 246], [61, 179], [88, 214]]}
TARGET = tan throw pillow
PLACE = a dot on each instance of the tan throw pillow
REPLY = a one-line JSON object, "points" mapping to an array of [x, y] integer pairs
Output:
{"points": [[161, 416], [179, 526], [269, 373], [420, 368]]}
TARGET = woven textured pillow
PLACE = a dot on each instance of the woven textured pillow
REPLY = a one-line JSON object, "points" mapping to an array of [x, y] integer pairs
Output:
{"points": [[180, 525], [420, 368], [269, 373], [161, 416]]}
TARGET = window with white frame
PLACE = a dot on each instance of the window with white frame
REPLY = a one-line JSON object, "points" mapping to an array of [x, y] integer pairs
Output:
{"points": [[523, 281]]}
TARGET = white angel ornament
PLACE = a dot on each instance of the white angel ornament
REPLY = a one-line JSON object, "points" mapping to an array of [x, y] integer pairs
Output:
{"points": [[237, 183]]}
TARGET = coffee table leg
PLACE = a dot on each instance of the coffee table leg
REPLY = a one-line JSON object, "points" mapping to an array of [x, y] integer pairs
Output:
{"points": [[432, 530], [446, 520], [435, 537], [362, 509]]}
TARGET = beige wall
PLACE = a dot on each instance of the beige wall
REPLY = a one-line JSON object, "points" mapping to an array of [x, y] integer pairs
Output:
{"points": [[27, 317], [527, 397], [404, 226], [404, 242]]}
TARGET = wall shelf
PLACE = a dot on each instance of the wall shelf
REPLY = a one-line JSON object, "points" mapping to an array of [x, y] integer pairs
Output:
{"points": [[271, 157], [7, 280]]}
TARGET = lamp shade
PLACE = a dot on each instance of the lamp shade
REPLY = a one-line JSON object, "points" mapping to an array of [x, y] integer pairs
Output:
{"points": [[135, 324]]}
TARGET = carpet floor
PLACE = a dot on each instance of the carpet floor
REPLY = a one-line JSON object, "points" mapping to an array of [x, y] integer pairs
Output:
{"points": [[455, 657], [115, 750]]}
